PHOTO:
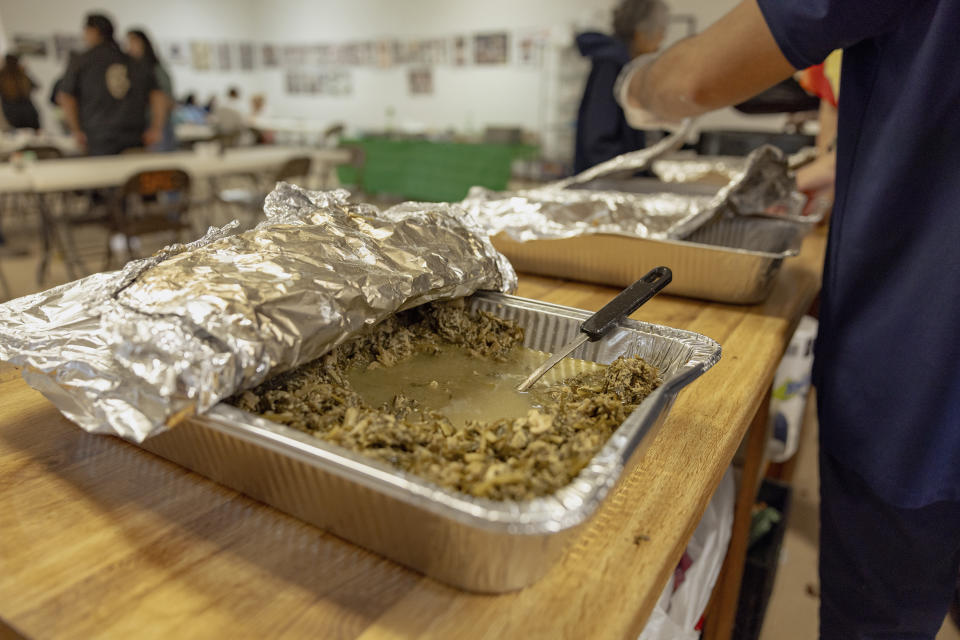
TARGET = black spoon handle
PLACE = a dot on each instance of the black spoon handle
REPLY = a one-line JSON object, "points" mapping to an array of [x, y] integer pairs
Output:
{"points": [[626, 302]]}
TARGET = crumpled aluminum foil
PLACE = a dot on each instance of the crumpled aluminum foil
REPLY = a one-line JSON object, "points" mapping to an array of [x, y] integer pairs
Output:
{"points": [[763, 187], [133, 351], [633, 161], [718, 170]]}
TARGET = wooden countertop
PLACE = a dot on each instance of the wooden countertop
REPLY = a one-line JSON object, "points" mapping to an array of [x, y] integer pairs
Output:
{"points": [[100, 538]]}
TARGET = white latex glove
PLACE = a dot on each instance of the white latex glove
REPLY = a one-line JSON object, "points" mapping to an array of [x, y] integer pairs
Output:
{"points": [[636, 117]]}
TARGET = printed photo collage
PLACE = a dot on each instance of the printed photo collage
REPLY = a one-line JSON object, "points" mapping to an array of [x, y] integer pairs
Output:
{"points": [[325, 69]]}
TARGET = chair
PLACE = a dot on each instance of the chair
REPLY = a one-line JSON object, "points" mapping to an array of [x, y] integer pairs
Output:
{"points": [[332, 134], [228, 140], [19, 201], [251, 198], [357, 162], [151, 202]]}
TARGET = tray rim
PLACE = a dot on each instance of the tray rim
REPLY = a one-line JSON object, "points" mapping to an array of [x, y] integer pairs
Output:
{"points": [[559, 511], [788, 253]]}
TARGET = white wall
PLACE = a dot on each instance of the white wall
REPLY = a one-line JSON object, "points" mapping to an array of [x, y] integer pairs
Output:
{"points": [[465, 98]]}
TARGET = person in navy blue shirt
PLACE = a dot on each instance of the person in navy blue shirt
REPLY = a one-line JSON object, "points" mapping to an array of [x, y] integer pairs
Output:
{"points": [[888, 355], [602, 131]]}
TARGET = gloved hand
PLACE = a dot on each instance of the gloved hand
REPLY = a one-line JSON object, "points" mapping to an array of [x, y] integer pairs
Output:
{"points": [[637, 117]]}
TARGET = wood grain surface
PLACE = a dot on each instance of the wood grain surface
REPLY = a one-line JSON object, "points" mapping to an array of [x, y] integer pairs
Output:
{"points": [[100, 539]]}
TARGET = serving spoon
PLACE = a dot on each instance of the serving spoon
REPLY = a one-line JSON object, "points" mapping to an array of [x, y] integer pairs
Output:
{"points": [[599, 324]]}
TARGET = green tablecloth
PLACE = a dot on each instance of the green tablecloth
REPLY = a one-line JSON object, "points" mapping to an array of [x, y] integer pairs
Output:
{"points": [[432, 171]]}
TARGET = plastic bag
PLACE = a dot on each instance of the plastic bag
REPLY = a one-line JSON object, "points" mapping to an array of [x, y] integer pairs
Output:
{"points": [[678, 612], [791, 386]]}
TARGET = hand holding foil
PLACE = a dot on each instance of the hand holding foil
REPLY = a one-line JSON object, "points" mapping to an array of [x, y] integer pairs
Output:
{"points": [[132, 351]]}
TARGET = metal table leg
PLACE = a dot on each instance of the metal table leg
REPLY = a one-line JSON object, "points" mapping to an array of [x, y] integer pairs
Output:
{"points": [[52, 240], [5, 291]]}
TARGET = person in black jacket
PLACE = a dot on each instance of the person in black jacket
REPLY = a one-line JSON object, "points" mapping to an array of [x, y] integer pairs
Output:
{"points": [[15, 89], [602, 131], [106, 95]]}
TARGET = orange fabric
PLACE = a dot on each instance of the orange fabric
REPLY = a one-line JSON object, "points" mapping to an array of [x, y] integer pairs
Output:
{"points": [[814, 80]]}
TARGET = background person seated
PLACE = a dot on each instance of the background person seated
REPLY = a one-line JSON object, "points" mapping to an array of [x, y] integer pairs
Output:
{"points": [[15, 89]]}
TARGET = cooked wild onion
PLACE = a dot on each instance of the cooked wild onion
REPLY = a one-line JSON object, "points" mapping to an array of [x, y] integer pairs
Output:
{"points": [[503, 459]]}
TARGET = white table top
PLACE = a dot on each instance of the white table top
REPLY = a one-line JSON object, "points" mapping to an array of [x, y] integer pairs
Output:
{"points": [[14, 180], [187, 131], [293, 125], [87, 173], [16, 140]]}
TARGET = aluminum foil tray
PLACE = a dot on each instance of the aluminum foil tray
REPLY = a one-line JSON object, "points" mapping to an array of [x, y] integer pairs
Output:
{"points": [[470, 543], [652, 185], [727, 260]]}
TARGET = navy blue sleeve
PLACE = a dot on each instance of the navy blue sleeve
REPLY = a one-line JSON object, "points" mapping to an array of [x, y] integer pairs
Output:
{"points": [[808, 30], [600, 115]]}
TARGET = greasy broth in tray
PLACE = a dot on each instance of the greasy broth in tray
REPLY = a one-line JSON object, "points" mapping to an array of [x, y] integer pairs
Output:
{"points": [[461, 386]]}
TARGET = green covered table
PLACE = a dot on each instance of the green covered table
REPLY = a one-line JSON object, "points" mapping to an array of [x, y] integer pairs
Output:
{"points": [[432, 171]]}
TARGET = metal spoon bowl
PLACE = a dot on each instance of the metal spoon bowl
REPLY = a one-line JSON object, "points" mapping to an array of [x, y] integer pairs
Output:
{"points": [[613, 313]]}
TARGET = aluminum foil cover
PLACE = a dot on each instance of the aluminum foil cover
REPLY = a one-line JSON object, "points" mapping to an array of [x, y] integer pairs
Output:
{"points": [[763, 187], [633, 161], [717, 170], [133, 351]]}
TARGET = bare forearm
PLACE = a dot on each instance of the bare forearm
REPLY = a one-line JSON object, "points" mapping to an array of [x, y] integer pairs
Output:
{"points": [[159, 106], [734, 59], [828, 126], [71, 114]]}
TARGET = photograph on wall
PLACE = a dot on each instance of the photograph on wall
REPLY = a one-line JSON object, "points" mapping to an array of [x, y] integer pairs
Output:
{"points": [[368, 53], [436, 52], [337, 83], [177, 53], [30, 46], [224, 56], [420, 81], [531, 46], [460, 54], [681, 25], [401, 53], [348, 54], [323, 54], [66, 43], [245, 56], [200, 55], [311, 84], [293, 82], [490, 48], [295, 55], [422, 52], [384, 54], [269, 56]]}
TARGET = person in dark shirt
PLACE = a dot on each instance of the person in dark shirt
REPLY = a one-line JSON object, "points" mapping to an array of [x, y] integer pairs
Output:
{"points": [[106, 95], [15, 89], [602, 131], [140, 48], [887, 358]]}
